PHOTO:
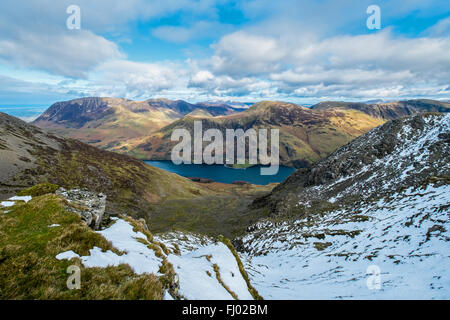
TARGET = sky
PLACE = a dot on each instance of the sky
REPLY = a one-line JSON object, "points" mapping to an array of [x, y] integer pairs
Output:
{"points": [[203, 50]]}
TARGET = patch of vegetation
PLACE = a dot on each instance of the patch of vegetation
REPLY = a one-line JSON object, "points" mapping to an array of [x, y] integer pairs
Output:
{"points": [[39, 190], [358, 218], [29, 269], [319, 236], [322, 245], [341, 232], [444, 179], [219, 278], [244, 274], [212, 215]]}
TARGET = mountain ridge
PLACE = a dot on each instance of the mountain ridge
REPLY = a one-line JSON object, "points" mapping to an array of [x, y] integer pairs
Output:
{"points": [[306, 135], [142, 128], [106, 122]]}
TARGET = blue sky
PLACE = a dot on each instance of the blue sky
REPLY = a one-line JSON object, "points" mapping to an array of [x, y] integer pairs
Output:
{"points": [[250, 50]]}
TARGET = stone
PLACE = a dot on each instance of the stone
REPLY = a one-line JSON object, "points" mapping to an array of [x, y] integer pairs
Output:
{"points": [[89, 205]]}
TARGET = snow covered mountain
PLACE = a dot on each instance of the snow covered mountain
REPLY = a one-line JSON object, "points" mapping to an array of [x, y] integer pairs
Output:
{"points": [[370, 221]]}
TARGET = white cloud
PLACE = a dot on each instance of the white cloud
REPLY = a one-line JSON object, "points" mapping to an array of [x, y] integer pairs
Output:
{"points": [[136, 80], [33, 34], [291, 49], [246, 54], [63, 53], [358, 66], [440, 29]]}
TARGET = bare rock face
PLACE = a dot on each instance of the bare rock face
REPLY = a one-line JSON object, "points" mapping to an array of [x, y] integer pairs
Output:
{"points": [[89, 205]]}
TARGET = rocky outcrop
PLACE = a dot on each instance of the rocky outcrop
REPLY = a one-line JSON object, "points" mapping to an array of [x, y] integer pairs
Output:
{"points": [[89, 205]]}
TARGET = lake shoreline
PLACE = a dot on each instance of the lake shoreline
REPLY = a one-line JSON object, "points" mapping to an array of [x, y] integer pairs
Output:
{"points": [[223, 173]]}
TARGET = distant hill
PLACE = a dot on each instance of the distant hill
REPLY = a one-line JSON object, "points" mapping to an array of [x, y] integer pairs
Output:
{"points": [[106, 122], [143, 128], [305, 135], [388, 111], [199, 113]]}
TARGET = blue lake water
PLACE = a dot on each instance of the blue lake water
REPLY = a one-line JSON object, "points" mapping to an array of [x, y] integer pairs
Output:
{"points": [[220, 173]]}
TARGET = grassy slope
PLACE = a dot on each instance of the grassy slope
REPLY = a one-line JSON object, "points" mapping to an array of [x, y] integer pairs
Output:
{"points": [[28, 248], [222, 212]]}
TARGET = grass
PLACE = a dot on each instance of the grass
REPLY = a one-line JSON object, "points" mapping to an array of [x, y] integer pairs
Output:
{"points": [[29, 269], [225, 214], [219, 278], [244, 274], [38, 190], [321, 245]]}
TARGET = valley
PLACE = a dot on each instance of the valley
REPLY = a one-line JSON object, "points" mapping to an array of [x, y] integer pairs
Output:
{"points": [[379, 202]]}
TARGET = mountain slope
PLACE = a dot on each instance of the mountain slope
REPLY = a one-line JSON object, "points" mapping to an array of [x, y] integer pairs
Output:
{"points": [[401, 153], [379, 204], [121, 261], [105, 122], [305, 135], [29, 155], [334, 255]]}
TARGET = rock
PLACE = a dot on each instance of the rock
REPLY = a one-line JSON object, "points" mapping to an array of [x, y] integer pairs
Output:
{"points": [[240, 182], [89, 205], [201, 180]]}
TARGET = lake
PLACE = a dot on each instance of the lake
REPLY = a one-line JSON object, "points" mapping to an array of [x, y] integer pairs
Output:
{"points": [[220, 173]]}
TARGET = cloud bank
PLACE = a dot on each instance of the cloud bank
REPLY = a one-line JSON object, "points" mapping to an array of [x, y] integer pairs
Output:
{"points": [[284, 52]]}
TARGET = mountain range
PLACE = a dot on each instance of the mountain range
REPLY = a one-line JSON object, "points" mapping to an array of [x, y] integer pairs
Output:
{"points": [[143, 129], [306, 134], [106, 122], [377, 206]]}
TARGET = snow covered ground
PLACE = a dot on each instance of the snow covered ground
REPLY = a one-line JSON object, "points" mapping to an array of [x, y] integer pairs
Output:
{"points": [[12, 201], [404, 237], [194, 264]]}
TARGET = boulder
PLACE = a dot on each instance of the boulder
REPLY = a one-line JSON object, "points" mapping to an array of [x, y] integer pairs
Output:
{"points": [[89, 205]]}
